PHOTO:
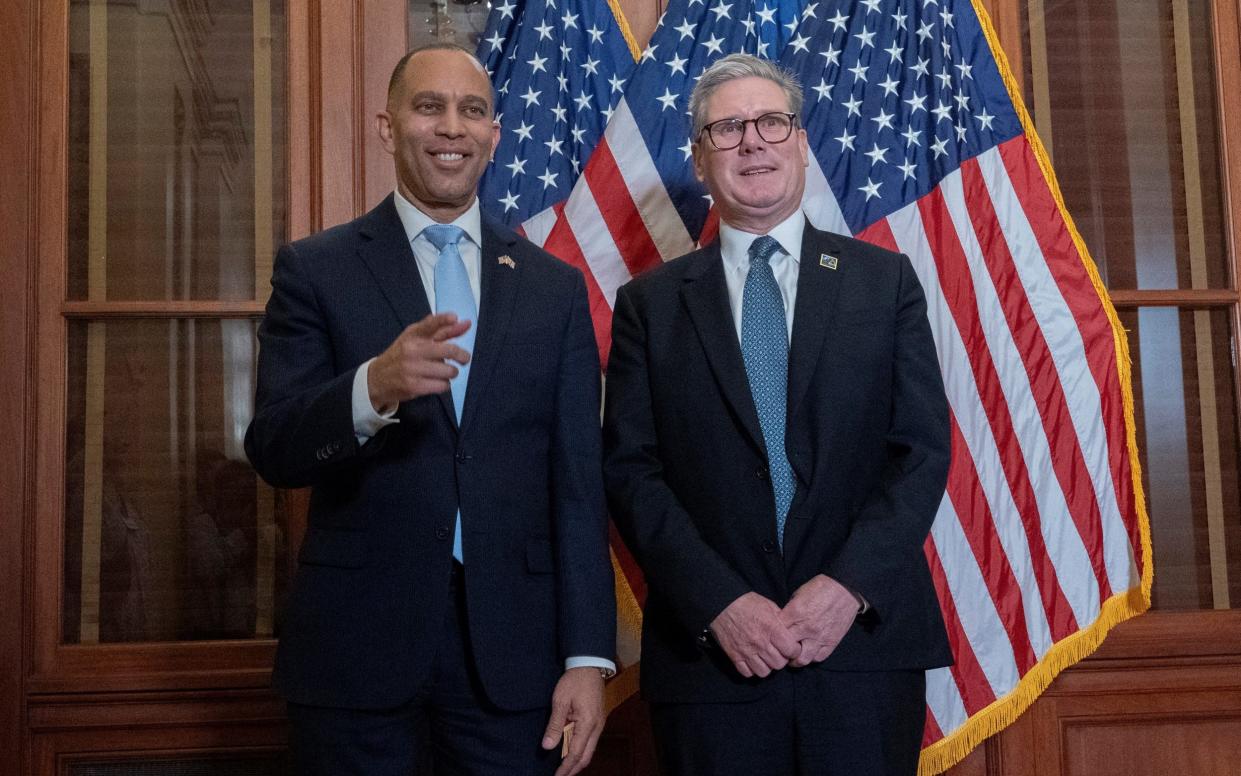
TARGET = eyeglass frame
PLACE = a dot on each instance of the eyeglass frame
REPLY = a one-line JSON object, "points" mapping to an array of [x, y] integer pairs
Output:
{"points": [[706, 129]]}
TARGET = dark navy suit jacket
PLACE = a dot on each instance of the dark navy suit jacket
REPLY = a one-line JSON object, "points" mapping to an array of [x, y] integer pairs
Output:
{"points": [[368, 603], [686, 466]]}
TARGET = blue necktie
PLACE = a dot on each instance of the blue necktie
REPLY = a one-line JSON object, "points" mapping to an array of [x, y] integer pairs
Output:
{"points": [[454, 295], [765, 349]]}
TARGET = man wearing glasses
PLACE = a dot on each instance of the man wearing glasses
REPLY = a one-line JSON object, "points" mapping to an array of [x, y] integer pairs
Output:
{"points": [[776, 447]]}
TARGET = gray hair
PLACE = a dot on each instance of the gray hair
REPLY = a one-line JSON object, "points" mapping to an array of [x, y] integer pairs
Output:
{"points": [[736, 66]]}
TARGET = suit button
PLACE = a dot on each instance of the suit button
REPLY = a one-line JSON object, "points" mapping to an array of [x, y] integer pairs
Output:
{"points": [[769, 546], [441, 533], [761, 472]]}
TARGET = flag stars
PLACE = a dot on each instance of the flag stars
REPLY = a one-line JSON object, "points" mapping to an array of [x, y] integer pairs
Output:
{"points": [[945, 78], [582, 100], [687, 149], [578, 134], [846, 140], [809, 11], [925, 31], [516, 167], [922, 68], [591, 67], [942, 112], [824, 89], [946, 45], [940, 147], [799, 43], [549, 179], [559, 112], [721, 11], [544, 30], [908, 168], [947, 17], [964, 68], [569, 20], [668, 99], [510, 202], [889, 86], [596, 34], [565, 51], [531, 96], [553, 147], [899, 18], [616, 83], [872, 6], [912, 137], [963, 101], [524, 130], [649, 54], [961, 131], [876, 154], [538, 63], [686, 29], [867, 37], [713, 44], [984, 120], [506, 10], [853, 104], [839, 21], [676, 65], [496, 41], [883, 120], [832, 55], [916, 103], [766, 15], [871, 189], [895, 52], [859, 72]]}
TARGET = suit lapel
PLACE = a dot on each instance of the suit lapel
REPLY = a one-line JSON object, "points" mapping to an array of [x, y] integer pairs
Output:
{"points": [[499, 284], [818, 284], [386, 252], [705, 296]]}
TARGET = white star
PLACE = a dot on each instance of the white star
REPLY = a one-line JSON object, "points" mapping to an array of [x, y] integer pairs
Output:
{"points": [[940, 147], [895, 52], [749, 25], [649, 53], [853, 103], [921, 67], [721, 11], [908, 168], [824, 90], [947, 17], [676, 64], [984, 119], [531, 96], [871, 189], [577, 166], [596, 34], [799, 43], [591, 66], [496, 41], [859, 72], [582, 100], [872, 6], [549, 179], [911, 136], [846, 140], [606, 113], [839, 21], [963, 101], [791, 26], [945, 78], [564, 81], [946, 45], [616, 83], [559, 112], [504, 89], [961, 130], [899, 18], [762, 48], [510, 202], [553, 147], [518, 166], [713, 45], [942, 112], [766, 15], [889, 85], [668, 99], [924, 31], [867, 37], [916, 103], [832, 55], [578, 133], [965, 69], [686, 29], [544, 30], [687, 149], [883, 120], [570, 20], [876, 154], [506, 10], [537, 63], [524, 130], [809, 11]]}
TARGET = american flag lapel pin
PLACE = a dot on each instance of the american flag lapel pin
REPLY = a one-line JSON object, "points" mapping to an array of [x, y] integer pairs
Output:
{"points": [[831, 262], [507, 261]]}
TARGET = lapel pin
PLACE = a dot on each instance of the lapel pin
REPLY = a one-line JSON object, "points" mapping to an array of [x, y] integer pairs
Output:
{"points": [[831, 262], [507, 261]]}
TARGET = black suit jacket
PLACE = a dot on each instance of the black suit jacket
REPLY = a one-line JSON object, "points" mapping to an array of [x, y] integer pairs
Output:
{"points": [[368, 603], [686, 467]]}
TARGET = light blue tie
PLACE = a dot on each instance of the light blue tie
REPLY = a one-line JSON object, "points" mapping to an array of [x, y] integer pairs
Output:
{"points": [[454, 295], [765, 349]]}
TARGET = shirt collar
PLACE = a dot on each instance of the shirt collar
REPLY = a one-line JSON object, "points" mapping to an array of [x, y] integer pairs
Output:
{"points": [[735, 243], [414, 220]]}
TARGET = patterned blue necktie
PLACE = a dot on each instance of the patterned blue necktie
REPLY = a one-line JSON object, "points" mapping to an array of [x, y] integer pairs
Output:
{"points": [[765, 349], [454, 295]]}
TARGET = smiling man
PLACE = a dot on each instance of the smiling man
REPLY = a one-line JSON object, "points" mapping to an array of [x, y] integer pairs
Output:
{"points": [[434, 379], [776, 444]]}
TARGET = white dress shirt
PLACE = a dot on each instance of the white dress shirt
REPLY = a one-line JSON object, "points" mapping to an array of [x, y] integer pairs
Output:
{"points": [[366, 421], [785, 263]]}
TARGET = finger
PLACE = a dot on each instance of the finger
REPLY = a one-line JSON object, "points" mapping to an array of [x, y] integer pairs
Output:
{"points": [[806, 656], [823, 653], [588, 749], [451, 331], [743, 668], [450, 351], [572, 754], [785, 643], [775, 658], [555, 726], [432, 370], [429, 325], [758, 667]]}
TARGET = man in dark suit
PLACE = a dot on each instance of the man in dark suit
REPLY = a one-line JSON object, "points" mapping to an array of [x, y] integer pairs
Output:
{"points": [[777, 497], [454, 598]]}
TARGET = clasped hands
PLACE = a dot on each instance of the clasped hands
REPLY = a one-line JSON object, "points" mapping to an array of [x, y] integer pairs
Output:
{"points": [[760, 637]]}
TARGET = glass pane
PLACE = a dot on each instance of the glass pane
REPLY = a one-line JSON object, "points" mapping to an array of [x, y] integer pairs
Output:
{"points": [[457, 21], [169, 535], [1129, 89], [1187, 432], [176, 148]]}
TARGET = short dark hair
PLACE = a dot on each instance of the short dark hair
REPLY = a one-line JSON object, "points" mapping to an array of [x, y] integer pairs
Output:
{"points": [[394, 82]]}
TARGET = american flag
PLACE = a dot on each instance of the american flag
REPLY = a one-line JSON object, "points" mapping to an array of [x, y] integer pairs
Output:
{"points": [[919, 144]]}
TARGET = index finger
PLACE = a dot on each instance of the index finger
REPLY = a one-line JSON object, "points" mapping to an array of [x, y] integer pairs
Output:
{"points": [[432, 324]]}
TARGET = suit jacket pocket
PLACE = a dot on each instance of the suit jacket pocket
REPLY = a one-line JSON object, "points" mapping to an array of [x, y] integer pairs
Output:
{"points": [[539, 557], [327, 547]]}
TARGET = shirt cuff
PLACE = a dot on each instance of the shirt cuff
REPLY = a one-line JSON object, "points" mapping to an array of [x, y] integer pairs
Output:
{"points": [[585, 661], [366, 422]]}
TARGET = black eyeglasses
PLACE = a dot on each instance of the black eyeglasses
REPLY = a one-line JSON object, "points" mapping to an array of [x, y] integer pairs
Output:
{"points": [[727, 134]]}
